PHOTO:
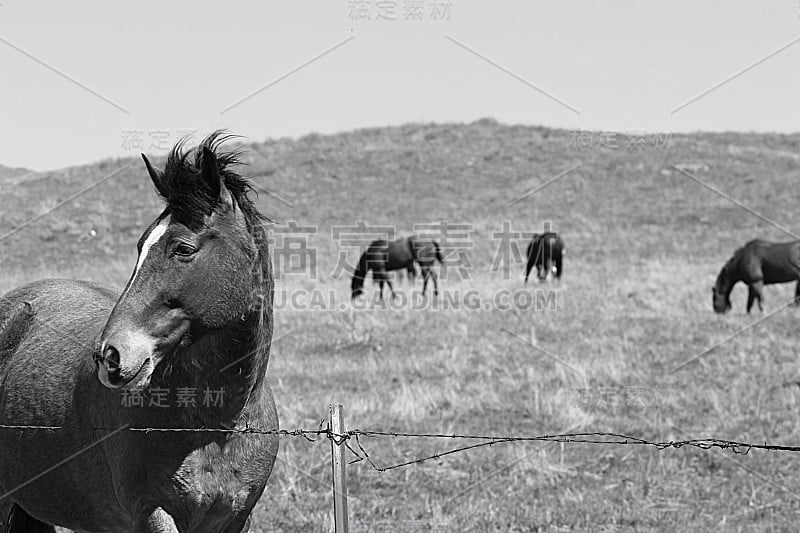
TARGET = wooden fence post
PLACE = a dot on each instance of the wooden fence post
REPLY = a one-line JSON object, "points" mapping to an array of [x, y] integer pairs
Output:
{"points": [[336, 424]]}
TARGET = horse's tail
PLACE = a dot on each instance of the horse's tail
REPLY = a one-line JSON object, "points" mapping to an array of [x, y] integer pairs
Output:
{"points": [[559, 259], [438, 252]]}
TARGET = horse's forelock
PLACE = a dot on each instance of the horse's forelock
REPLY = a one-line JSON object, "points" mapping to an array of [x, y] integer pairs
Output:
{"points": [[187, 194]]}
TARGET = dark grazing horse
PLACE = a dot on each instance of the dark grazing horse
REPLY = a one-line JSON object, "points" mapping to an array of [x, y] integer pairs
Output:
{"points": [[74, 355], [382, 256], [757, 263], [546, 251]]}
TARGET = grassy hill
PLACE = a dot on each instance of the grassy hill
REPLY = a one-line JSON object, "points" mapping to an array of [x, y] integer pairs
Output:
{"points": [[644, 244]]}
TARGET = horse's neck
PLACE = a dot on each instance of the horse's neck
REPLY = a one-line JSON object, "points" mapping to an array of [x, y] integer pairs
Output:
{"points": [[364, 265], [728, 278], [226, 370]]}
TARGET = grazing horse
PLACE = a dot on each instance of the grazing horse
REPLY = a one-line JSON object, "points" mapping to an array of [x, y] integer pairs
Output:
{"points": [[546, 251], [383, 256], [757, 263], [96, 366]]}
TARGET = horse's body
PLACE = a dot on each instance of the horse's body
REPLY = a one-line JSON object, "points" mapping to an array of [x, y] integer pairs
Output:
{"points": [[80, 357], [546, 252], [383, 256], [756, 264]]}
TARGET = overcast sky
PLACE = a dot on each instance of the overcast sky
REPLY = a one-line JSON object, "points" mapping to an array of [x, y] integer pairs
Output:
{"points": [[84, 81]]}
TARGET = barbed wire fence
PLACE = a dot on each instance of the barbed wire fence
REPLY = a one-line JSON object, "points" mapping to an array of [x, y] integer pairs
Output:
{"points": [[343, 440]]}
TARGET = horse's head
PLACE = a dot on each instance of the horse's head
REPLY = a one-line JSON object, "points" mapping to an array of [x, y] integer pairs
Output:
{"points": [[721, 293], [356, 287], [721, 301], [195, 270], [361, 270]]}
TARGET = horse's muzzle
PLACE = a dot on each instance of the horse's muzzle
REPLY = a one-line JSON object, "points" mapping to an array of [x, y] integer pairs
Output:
{"points": [[125, 360], [721, 310]]}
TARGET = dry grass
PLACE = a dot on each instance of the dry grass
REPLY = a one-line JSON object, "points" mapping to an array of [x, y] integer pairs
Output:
{"points": [[644, 245]]}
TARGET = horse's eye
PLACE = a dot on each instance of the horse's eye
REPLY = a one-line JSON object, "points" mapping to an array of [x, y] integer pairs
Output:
{"points": [[184, 250]]}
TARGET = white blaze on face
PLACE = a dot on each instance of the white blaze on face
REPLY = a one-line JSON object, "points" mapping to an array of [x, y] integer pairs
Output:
{"points": [[136, 346], [151, 240]]}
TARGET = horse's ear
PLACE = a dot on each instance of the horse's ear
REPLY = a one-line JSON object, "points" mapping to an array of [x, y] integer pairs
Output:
{"points": [[210, 172], [156, 176]]}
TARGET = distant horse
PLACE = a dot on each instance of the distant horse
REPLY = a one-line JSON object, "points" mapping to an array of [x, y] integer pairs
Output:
{"points": [[546, 251], [74, 355], [757, 263], [383, 256]]}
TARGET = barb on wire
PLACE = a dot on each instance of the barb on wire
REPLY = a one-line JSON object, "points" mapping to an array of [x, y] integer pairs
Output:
{"points": [[358, 458], [366, 455]]}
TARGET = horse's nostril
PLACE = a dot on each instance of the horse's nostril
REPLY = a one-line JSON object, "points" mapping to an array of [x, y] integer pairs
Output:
{"points": [[111, 358]]}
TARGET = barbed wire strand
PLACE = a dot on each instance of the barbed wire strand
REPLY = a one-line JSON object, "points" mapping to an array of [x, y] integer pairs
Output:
{"points": [[246, 430], [312, 435]]}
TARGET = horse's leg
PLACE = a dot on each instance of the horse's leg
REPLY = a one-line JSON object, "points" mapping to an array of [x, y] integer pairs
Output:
{"points": [[391, 289], [541, 262], [426, 273], [758, 287], [797, 294], [159, 521], [19, 521], [384, 277], [751, 296], [378, 276], [559, 266], [544, 271], [412, 273], [435, 284]]}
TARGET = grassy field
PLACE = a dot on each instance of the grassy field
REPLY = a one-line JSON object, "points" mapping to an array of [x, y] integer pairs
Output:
{"points": [[644, 244]]}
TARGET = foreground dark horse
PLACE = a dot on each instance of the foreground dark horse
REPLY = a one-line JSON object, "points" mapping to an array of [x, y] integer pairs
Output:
{"points": [[74, 355], [757, 263], [383, 256], [546, 250]]}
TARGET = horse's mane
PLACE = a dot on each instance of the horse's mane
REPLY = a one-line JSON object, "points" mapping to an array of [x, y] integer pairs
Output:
{"points": [[729, 264], [189, 197], [739, 251]]}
